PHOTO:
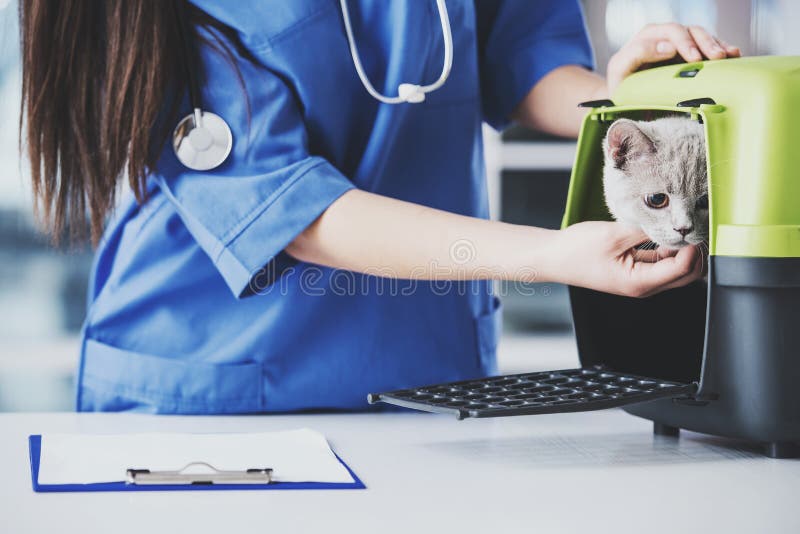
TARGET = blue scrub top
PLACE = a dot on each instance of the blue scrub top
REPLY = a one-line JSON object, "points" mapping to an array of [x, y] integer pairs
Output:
{"points": [[194, 306]]}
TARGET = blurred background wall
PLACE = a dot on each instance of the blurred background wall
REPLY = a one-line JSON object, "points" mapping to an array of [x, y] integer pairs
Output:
{"points": [[42, 290]]}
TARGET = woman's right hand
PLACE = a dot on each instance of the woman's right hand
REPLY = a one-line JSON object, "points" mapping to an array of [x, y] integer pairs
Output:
{"points": [[600, 255]]}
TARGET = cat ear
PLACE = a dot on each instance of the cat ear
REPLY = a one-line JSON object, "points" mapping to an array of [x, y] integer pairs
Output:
{"points": [[625, 142]]}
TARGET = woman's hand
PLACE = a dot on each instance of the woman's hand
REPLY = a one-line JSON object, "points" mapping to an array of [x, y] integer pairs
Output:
{"points": [[662, 42], [600, 255], [551, 105]]}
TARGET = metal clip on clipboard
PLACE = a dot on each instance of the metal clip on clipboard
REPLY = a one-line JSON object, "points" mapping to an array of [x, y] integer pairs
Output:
{"points": [[144, 477]]}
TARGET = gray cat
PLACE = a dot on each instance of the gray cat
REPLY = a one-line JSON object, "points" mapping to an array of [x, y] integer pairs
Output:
{"points": [[655, 177]]}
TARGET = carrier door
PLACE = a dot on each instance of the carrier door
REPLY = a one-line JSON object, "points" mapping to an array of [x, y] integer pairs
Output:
{"points": [[569, 390]]}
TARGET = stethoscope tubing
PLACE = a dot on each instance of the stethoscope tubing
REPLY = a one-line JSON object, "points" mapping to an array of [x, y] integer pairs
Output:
{"points": [[189, 53], [204, 145], [399, 99]]}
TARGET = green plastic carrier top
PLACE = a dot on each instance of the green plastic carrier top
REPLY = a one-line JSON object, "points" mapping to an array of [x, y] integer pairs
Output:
{"points": [[752, 125]]}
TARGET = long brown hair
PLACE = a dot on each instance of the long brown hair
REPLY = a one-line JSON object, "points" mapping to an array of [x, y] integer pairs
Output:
{"points": [[101, 84]]}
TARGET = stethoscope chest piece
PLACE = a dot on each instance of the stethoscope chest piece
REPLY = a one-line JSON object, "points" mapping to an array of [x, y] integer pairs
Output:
{"points": [[202, 140]]}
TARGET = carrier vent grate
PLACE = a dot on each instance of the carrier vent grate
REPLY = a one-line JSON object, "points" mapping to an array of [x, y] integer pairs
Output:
{"points": [[569, 390]]}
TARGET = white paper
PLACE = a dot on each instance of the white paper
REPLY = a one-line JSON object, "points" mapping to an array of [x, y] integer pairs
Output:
{"points": [[301, 455]]}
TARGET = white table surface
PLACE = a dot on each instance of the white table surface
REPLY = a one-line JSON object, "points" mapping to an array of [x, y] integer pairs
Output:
{"points": [[592, 472]]}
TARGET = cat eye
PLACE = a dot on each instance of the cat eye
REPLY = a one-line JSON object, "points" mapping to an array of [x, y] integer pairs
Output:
{"points": [[702, 203], [657, 200]]}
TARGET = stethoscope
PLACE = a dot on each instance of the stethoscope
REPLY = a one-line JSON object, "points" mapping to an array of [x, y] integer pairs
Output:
{"points": [[406, 92], [202, 140]]}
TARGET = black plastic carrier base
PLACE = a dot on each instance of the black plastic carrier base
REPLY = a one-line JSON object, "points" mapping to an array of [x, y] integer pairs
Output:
{"points": [[570, 390], [730, 366]]}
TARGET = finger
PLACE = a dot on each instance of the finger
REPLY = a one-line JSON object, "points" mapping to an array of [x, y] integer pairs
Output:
{"points": [[643, 51], [668, 252], [626, 236], [654, 277], [732, 51], [652, 255], [645, 255], [698, 270], [680, 282], [680, 38], [707, 43], [696, 274], [722, 46]]}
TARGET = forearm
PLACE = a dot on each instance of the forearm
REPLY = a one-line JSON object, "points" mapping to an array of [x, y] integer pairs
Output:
{"points": [[373, 234], [552, 105]]}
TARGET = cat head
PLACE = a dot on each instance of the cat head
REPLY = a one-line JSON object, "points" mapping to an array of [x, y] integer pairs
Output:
{"points": [[655, 178]]}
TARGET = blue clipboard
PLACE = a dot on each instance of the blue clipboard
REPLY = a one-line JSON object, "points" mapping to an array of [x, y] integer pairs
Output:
{"points": [[35, 447]]}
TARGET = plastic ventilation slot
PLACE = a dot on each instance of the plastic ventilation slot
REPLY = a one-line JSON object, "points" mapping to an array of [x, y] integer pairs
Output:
{"points": [[569, 390]]}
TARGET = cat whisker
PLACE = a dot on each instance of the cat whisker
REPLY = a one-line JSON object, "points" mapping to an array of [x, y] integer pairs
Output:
{"points": [[702, 247], [707, 252], [719, 163], [640, 252]]}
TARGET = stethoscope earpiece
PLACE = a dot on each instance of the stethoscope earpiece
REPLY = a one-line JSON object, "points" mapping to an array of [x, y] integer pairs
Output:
{"points": [[202, 140]]}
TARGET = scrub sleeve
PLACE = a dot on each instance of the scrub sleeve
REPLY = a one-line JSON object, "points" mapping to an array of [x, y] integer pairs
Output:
{"points": [[244, 213], [519, 43]]}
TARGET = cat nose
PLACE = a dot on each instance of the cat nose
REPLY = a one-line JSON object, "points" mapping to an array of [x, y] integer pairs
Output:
{"points": [[683, 231]]}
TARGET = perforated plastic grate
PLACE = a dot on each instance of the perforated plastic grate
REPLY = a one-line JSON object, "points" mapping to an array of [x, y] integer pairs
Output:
{"points": [[569, 390]]}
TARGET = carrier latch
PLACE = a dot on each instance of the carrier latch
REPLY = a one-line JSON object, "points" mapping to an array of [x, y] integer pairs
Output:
{"points": [[696, 102], [605, 103]]}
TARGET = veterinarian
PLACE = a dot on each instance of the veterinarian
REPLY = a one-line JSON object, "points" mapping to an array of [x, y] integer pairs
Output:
{"points": [[315, 227]]}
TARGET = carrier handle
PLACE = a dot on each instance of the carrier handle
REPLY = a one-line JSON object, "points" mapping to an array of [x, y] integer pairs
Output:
{"points": [[696, 102], [604, 103]]}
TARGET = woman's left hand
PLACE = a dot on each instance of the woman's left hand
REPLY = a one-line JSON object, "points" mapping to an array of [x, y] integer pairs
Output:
{"points": [[662, 42]]}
